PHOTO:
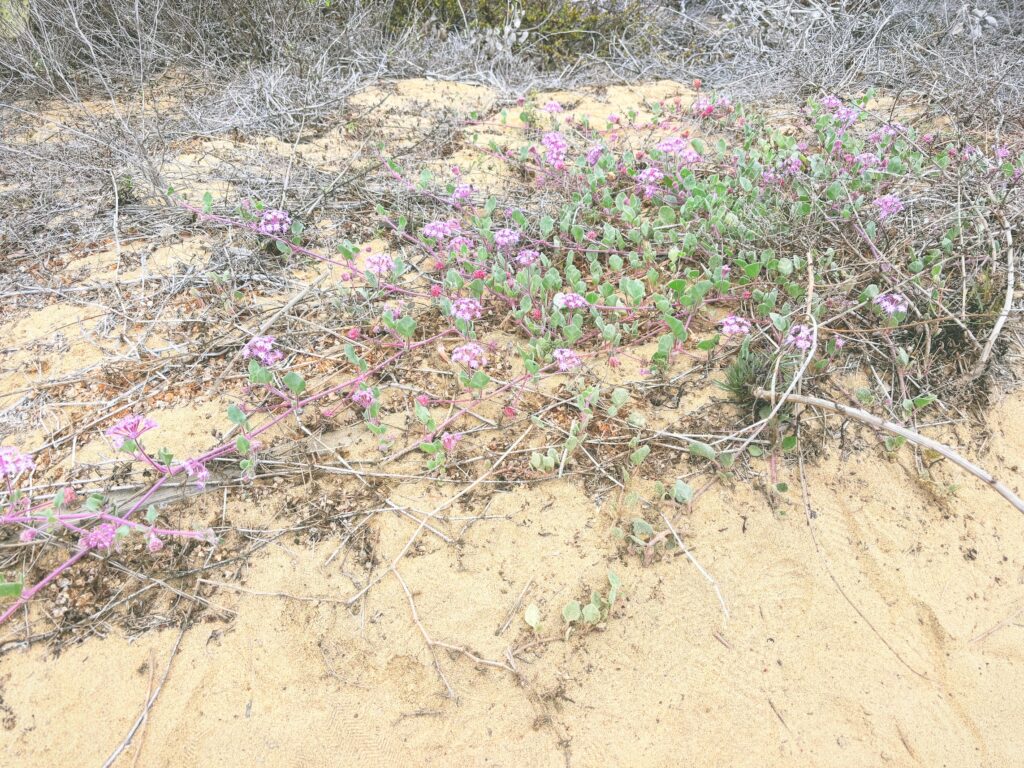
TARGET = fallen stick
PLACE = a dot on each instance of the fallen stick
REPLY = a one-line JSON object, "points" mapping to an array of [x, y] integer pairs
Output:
{"points": [[914, 437]]}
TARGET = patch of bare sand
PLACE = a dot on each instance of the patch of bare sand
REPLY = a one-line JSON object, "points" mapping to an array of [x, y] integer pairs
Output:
{"points": [[892, 662]]}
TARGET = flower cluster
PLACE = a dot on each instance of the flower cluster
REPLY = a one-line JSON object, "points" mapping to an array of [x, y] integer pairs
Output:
{"points": [[649, 179], [892, 303], [467, 309], [506, 238], [363, 398], [13, 462], [462, 192], [102, 536], [527, 257], [888, 205], [594, 154], [470, 355], [449, 441], [556, 148], [566, 359], [681, 148], [800, 336], [274, 221], [733, 325], [569, 301], [552, 107], [129, 428], [198, 471], [439, 230], [380, 264], [262, 348]]}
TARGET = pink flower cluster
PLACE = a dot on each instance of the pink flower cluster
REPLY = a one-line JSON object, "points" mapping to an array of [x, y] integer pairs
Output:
{"points": [[462, 192], [102, 536], [380, 264], [888, 205], [449, 441], [527, 257], [733, 325], [129, 428], [800, 336], [13, 462], [649, 179], [470, 355], [594, 154], [892, 303], [566, 359], [467, 309], [198, 471], [556, 148], [552, 107], [703, 107], [569, 301], [681, 149], [363, 398], [262, 348], [439, 230], [506, 238], [274, 221]]}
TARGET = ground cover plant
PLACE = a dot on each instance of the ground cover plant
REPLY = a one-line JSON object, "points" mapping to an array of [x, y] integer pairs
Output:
{"points": [[784, 257]]}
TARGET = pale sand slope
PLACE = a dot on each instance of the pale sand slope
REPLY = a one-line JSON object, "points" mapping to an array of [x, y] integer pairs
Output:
{"points": [[798, 677]]}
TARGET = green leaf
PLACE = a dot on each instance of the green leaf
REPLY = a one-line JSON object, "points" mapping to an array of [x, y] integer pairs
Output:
{"points": [[709, 344], [242, 445], [546, 225], [236, 416], [295, 383], [479, 380], [637, 457], [532, 616], [591, 613], [258, 374], [682, 492], [406, 327], [789, 442], [572, 611], [151, 514], [703, 450], [11, 588], [642, 528]]}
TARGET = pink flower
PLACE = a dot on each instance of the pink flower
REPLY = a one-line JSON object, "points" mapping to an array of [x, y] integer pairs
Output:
{"points": [[274, 222], [892, 303], [423, 400], [702, 107], [593, 155], [566, 359], [831, 102], [436, 291], [154, 544], [552, 107], [449, 441], [527, 257], [28, 535], [649, 179], [470, 355], [262, 348], [440, 230], [363, 398], [13, 462], [556, 147], [800, 336], [353, 333], [506, 238], [681, 148], [1002, 152], [197, 470], [462, 192], [734, 325], [101, 537], [569, 301], [888, 205], [379, 264], [129, 428], [467, 309]]}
